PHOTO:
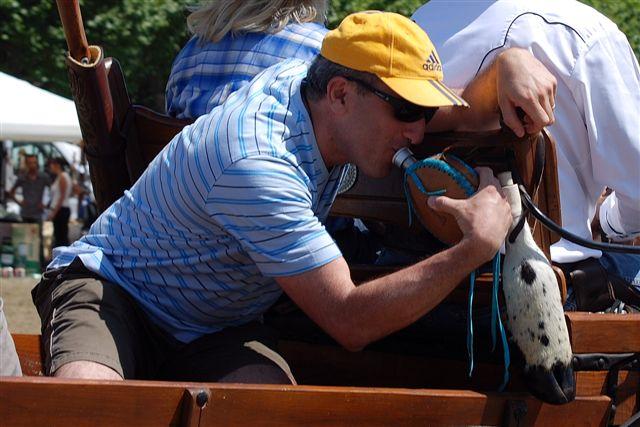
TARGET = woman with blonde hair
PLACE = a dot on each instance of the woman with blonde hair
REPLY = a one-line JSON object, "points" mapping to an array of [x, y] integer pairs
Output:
{"points": [[234, 40]]}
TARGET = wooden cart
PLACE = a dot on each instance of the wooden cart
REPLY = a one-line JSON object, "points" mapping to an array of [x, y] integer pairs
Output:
{"points": [[383, 385]]}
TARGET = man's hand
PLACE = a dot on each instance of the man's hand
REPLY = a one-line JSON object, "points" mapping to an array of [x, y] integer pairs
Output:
{"points": [[523, 82], [514, 81], [484, 218]]}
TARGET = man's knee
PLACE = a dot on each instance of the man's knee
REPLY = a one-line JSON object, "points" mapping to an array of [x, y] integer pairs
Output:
{"points": [[84, 369]]}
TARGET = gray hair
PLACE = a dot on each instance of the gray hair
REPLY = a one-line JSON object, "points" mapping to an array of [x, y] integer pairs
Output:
{"points": [[214, 19], [322, 70]]}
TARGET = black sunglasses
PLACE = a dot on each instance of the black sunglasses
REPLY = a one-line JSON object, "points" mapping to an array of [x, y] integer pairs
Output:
{"points": [[402, 110]]}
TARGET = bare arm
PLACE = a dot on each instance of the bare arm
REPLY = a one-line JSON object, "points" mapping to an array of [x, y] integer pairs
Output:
{"points": [[515, 79], [358, 315]]}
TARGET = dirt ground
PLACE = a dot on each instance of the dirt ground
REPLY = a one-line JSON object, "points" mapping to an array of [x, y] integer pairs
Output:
{"points": [[21, 315]]}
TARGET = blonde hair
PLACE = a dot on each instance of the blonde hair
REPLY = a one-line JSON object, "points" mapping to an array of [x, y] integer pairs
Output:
{"points": [[214, 19]]}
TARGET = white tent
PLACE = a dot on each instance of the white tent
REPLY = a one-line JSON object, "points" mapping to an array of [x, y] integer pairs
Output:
{"points": [[28, 113]]}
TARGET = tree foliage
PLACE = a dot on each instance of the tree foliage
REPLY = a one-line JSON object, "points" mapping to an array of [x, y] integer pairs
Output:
{"points": [[145, 35], [626, 14], [341, 8]]}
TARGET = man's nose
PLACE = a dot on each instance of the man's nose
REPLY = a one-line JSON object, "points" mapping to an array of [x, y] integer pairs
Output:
{"points": [[414, 131]]}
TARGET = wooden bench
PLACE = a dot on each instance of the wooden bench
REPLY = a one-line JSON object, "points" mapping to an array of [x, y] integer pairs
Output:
{"points": [[51, 402], [599, 342], [369, 377]]}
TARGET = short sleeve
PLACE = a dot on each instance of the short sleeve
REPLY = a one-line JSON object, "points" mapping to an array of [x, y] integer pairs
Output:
{"points": [[265, 203]]}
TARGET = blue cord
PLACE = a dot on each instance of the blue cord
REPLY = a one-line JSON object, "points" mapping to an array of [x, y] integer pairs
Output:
{"points": [[472, 281], [496, 322], [494, 300], [411, 172]]}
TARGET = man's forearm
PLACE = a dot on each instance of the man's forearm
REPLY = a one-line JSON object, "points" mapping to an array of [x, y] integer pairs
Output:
{"points": [[514, 81]]}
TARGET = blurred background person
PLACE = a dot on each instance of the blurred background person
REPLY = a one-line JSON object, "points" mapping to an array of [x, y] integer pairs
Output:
{"points": [[33, 183], [60, 191]]}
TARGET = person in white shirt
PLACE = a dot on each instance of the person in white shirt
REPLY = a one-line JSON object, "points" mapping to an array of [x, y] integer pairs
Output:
{"points": [[597, 106], [60, 191]]}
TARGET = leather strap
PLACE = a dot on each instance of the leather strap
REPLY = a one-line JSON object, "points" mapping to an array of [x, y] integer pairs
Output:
{"points": [[590, 284]]}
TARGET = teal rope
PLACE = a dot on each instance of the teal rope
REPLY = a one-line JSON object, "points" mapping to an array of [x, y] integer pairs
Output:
{"points": [[411, 172], [496, 322], [495, 308], [469, 169], [472, 281]]}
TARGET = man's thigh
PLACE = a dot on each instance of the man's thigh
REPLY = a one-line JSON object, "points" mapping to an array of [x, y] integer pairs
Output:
{"points": [[244, 354], [88, 319]]}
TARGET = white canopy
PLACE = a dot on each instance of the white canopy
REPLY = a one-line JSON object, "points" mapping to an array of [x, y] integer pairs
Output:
{"points": [[28, 113]]}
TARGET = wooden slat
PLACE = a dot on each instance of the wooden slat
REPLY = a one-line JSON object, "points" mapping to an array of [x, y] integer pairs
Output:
{"points": [[330, 365], [604, 333], [30, 353], [49, 401], [43, 401], [593, 383], [382, 407]]}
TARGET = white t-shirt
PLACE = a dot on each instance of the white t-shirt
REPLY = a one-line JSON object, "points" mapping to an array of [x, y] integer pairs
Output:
{"points": [[55, 192], [597, 113]]}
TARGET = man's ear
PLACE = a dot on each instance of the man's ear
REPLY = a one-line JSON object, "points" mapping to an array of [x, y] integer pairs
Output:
{"points": [[338, 93]]}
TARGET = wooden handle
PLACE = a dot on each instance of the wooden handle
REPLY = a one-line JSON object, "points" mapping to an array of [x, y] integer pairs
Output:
{"points": [[69, 11]]}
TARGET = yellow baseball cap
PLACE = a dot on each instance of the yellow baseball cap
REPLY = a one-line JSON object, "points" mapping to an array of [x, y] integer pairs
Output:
{"points": [[395, 49]]}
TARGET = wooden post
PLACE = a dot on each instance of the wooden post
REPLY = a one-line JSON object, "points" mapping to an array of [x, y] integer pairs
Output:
{"points": [[69, 11]]}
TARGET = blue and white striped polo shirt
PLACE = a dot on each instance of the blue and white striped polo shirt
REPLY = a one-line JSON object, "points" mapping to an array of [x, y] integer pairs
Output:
{"points": [[204, 75], [232, 201]]}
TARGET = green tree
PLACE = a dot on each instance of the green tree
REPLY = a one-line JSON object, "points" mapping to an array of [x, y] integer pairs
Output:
{"points": [[626, 14], [144, 34], [341, 8], [147, 34]]}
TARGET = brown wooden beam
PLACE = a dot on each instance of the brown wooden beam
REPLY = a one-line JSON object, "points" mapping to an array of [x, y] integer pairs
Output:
{"points": [[603, 333]]}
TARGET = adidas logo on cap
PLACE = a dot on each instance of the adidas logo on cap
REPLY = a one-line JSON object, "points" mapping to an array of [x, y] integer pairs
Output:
{"points": [[432, 63]]}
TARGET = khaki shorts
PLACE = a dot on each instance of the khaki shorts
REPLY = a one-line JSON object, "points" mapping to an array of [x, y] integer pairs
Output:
{"points": [[85, 317]]}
